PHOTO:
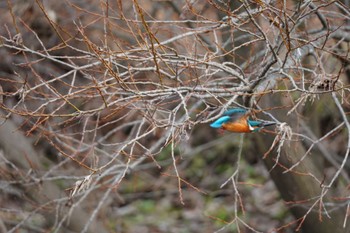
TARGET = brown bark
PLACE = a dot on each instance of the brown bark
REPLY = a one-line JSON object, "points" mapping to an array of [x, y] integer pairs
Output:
{"points": [[298, 186], [18, 149]]}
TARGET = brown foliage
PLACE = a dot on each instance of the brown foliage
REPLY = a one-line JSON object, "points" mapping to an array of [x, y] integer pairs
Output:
{"points": [[109, 102]]}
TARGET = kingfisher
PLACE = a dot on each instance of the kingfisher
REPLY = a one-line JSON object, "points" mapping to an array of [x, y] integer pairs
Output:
{"points": [[237, 120]]}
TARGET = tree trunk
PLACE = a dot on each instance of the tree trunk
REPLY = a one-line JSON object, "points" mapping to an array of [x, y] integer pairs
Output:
{"points": [[17, 149], [298, 188]]}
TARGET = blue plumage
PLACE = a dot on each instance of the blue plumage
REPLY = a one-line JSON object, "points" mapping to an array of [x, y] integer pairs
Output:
{"points": [[234, 110], [228, 116], [236, 120], [218, 123], [255, 123]]}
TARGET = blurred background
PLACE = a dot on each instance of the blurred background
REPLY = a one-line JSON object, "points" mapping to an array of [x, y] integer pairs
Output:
{"points": [[105, 110]]}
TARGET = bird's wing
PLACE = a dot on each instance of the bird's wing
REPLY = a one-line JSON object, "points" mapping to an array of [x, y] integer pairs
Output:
{"points": [[235, 111], [230, 115], [235, 114]]}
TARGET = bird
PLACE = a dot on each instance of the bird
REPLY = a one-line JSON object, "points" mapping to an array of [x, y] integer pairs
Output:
{"points": [[237, 120]]}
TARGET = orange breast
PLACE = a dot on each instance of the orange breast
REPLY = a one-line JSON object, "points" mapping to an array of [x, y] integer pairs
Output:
{"points": [[239, 126]]}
